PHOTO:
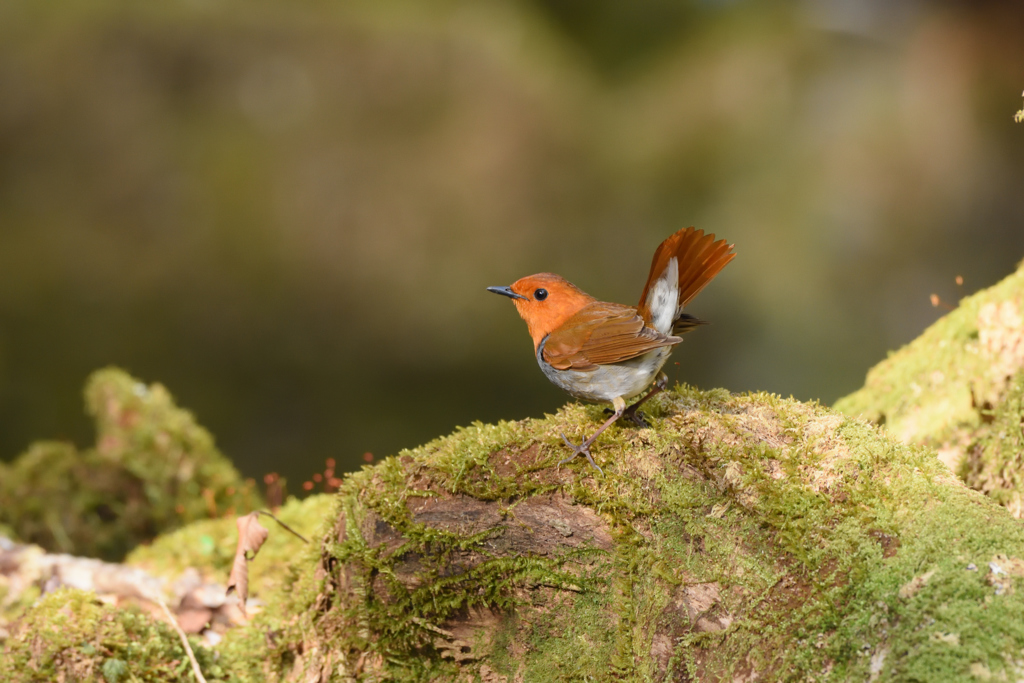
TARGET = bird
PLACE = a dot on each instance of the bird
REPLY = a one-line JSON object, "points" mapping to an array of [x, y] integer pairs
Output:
{"points": [[606, 352]]}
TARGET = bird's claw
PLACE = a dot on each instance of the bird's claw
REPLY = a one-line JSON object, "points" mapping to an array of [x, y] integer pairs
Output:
{"points": [[582, 449], [637, 417]]}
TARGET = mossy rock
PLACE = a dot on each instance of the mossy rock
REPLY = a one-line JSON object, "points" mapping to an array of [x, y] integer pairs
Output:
{"points": [[743, 537], [152, 470], [956, 389]]}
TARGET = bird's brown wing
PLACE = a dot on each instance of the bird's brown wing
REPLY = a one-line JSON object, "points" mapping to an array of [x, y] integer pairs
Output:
{"points": [[599, 334]]}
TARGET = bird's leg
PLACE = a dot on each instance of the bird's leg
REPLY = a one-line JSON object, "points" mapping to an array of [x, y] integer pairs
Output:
{"points": [[584, 448], [637, 417]]}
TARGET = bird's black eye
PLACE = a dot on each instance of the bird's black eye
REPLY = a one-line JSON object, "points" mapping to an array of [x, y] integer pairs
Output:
{"points": [[540, 294]]}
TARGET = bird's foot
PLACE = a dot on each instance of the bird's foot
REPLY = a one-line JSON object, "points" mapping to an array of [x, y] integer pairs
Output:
{"points": [[637, 417], [582, 449]]}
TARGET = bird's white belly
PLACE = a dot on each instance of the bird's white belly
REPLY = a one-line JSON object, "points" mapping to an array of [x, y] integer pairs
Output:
{"points": [[626, 379]]}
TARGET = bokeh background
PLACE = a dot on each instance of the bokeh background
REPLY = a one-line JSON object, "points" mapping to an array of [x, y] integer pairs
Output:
{"points": [[288, 211]]}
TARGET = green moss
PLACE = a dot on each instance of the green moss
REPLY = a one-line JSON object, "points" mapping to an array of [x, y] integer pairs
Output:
{"points": [[152, 470], [69, 635], [14, 603], [949, 387], [406, 621], [582, 623], [994, 463], [140, 428]]}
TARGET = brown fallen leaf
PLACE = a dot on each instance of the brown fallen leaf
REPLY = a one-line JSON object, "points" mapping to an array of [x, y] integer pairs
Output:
{"points": [[251, 536]]}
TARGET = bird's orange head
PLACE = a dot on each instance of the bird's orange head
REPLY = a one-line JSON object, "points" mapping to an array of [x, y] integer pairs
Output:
{"points": [[544, 301]]}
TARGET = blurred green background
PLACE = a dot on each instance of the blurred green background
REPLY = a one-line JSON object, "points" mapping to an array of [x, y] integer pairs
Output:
{"points": [[288, 212]]}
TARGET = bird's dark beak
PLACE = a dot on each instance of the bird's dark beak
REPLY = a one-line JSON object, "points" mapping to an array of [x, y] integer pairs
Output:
{"points": [[505, 291]]}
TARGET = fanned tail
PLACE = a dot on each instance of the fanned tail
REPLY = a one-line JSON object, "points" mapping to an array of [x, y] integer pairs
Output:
{"points": [[699, 259]]}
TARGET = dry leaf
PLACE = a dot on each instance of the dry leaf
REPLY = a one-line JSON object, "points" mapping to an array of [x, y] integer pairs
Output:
{"points": [[251, 536]]}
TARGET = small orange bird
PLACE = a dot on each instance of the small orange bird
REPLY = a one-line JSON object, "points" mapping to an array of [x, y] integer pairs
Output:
{"points": [[599, 351]]}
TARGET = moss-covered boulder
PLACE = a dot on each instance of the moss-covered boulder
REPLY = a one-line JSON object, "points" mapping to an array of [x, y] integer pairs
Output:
{"points": [[153, 469], [742, 538], [957, 388]]}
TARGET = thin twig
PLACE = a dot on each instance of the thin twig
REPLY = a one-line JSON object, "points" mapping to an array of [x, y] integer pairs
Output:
{"points": [[184, 641], [264, 512]]}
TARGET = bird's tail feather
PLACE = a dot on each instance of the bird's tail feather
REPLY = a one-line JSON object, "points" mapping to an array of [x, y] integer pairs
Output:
{"points": [[686, 323], [699, 259]]}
